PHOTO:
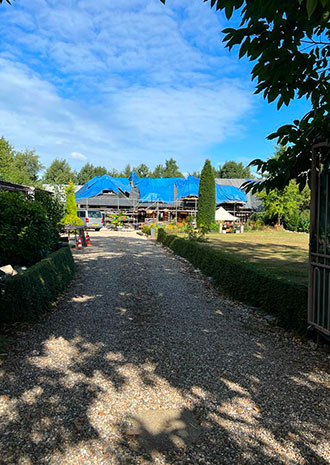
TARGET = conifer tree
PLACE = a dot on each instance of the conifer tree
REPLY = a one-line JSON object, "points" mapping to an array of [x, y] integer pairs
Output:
{"points": [[206, 197], [71, 216]]}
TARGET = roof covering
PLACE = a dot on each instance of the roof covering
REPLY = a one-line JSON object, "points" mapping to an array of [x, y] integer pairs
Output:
{"points": [[99, 184], [229, 194], [187, 187], [157, 189]]}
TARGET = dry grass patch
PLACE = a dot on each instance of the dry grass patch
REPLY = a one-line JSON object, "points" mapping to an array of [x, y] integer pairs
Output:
{"points": [[279, 252]]}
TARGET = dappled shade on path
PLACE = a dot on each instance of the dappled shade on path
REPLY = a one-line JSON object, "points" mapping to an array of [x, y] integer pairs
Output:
{"points": [[139, 331]]}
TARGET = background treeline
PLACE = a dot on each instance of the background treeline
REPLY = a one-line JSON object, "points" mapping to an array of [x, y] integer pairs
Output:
{"points": [[25, 168]]}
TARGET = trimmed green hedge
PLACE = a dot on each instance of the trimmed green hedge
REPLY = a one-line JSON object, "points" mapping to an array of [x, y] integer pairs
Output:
{"points": [[246, 281], [28, 294]]}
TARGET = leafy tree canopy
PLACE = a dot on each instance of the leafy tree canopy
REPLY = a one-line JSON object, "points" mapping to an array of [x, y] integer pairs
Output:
{"points": [[171, 169], [88, 171], [142, 171], [289, 42], [18, 167], [233, 170], [59, 172]]}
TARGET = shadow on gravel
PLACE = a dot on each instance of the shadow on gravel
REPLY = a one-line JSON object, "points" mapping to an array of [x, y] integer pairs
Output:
{"points": [[255, 397]]}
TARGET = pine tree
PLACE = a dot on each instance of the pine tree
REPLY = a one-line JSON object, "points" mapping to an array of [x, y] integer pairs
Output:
{"points": [[206, 197], [71, 216]]}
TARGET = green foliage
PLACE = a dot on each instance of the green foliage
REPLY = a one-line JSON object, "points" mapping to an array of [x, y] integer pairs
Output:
{"points": [[146, 229], [158, 171], [206, 197], [304, 221], [27, 295], [142, 171], [71, 216], [169, 170], [88, 171], [54, 208], [26, 232], [59, 172], [245, 281], [18, 167], [234, 170], [117, 219], [285, 204], [289, 42]]}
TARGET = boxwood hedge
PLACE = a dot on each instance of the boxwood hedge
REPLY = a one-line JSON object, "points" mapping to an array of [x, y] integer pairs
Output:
{"points": [[245, 281], [25, 296]]}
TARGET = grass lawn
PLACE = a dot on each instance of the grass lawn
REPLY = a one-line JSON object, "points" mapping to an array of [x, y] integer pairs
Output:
{"points": [[281, 253]]}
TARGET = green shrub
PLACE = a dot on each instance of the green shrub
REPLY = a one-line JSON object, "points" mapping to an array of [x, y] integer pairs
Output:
{"points": [[304, 221], [26, 233], [291, 220], [245, 281], [25, 296], [146, 229]]}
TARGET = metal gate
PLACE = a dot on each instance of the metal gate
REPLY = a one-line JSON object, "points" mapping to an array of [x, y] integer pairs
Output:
{"points": [[319, 247]]}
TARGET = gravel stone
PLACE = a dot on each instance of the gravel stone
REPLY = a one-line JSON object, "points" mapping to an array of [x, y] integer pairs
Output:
{"points": [[139, 329]]}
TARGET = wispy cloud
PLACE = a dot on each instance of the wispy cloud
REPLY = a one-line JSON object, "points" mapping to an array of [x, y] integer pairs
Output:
{"points": [[78, 156], [118, 81]]}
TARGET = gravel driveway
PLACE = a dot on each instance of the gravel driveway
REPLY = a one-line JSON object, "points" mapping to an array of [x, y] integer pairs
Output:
{"points": [[140, 330]]}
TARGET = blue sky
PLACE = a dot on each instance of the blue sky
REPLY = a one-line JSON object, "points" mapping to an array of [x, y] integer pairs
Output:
{"points": [[129, 81]]}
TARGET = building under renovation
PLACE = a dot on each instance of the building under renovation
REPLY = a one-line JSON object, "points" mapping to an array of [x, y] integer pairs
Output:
{"points": [[161, 199]]}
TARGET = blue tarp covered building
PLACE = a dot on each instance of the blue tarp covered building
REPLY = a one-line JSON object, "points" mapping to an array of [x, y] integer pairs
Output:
{"points": [[150, 190]]}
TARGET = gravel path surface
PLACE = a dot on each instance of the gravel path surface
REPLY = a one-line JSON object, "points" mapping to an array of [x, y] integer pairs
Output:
{"points": [[139, 329]]}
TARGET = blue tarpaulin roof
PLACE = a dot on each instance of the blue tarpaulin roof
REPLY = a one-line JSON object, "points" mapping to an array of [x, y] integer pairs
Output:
{"points": [[229, 194], [102, 183], [158, 189], [187, 187], [133, 177]]}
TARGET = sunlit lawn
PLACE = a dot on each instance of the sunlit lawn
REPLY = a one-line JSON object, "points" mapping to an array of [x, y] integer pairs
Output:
{"points": [[280, 252]]}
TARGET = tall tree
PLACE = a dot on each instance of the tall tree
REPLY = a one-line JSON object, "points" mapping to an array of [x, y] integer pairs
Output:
{"points": [[127, 171], [18, 167], [88, 171], [206, 197], [158, 171], [7, 154], [59, 172], [278, 204], [142, 171], [233, 170], [171, 169], [289, 41], [27, 165]]}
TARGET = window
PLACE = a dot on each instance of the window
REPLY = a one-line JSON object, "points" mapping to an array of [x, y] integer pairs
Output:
{"points": [[94, 214]]}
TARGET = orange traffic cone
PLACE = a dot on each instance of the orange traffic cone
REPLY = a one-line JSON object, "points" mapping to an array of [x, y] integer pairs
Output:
{"points": [[79, 244], [88, 240]]}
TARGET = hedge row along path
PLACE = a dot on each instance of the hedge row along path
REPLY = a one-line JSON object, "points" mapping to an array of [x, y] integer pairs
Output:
{"points": [[140, 332]]}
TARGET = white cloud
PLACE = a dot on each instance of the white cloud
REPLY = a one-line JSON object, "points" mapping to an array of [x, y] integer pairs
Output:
{"points": [[78, 156], [118, 81]]}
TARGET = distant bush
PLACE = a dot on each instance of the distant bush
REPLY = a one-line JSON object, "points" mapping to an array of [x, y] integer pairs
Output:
{"points": [[304, 221], [245, 281], [27, 295], [147, 227], [27, 233]]}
